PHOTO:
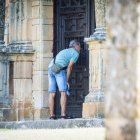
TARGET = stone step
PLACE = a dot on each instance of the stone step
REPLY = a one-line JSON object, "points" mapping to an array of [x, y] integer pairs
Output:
{"points": [[53, 124]]}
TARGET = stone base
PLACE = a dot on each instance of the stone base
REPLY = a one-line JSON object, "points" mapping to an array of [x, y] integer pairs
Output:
{"points": [[53, 124], [40, 114], [93, 109], [14, 114]]}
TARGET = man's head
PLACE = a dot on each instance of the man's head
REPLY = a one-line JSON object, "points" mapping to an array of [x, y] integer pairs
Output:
{"points": [[75, 44]]}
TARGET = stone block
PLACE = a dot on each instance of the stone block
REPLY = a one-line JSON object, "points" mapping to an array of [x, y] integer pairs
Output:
{"points": [[48, 2], [89, 110], [35, 32], [100, 109], [24, 109], [21, 114], [28, 113], [41, 64], [35, 3], [36, 11], [45, 113], [47, 11], [29, 30], [26, 29], [45, 99], [40, 99], [22, 70], [41, 113], [93, 109], [22, 89], [36, 45], [37, 99], [25, 114], [44, 47], [9, 115], [40, 81], [47, 32], [28, 104]]}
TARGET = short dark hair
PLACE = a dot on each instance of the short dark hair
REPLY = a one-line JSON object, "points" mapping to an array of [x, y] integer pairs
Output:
{"points": [[73, 43]]}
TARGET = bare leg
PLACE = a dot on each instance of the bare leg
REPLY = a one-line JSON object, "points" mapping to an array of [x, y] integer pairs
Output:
{"points": [[51, 103], [63, 102]]}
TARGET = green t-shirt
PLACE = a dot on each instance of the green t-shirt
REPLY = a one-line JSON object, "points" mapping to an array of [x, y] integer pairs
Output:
{"points": [[64, 57]]}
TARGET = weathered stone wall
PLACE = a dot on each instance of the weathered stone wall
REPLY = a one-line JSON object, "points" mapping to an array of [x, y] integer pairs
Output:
{"points": [[28, 26], [121, 69]]}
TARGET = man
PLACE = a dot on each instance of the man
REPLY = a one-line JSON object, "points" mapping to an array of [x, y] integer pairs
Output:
{"points": [[65, 59]]}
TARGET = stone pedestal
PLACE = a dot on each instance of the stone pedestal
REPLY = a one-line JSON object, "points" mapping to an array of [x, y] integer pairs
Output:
{"points": [[94, 101]]}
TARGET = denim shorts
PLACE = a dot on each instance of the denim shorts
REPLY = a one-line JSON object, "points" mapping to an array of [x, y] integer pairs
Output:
{"points": [[57, 80]]}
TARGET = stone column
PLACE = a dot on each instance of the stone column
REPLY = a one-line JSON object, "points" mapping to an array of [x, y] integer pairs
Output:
{"points": [[122, 21], [42, 36], [94, 101], [100, 12], [19, 52]]}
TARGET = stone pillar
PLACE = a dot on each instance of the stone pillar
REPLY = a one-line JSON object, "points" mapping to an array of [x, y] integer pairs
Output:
{"points": [[94, 101], [18, 54], [122, 21], [100, 12], [42, 36], [3, 65]]}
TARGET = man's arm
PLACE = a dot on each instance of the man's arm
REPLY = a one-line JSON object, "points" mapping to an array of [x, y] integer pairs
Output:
{"points": [[69, 70]]}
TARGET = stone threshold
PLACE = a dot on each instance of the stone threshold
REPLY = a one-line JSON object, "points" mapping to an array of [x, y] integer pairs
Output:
{"points": [[53, 124]]}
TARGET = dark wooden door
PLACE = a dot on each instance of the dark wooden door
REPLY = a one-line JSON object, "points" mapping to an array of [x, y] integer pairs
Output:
{"points": [[72, 20]]}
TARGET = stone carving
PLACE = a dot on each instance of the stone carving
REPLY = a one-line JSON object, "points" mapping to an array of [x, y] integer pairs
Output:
{"points": [[19, 47], [99, 35]]}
